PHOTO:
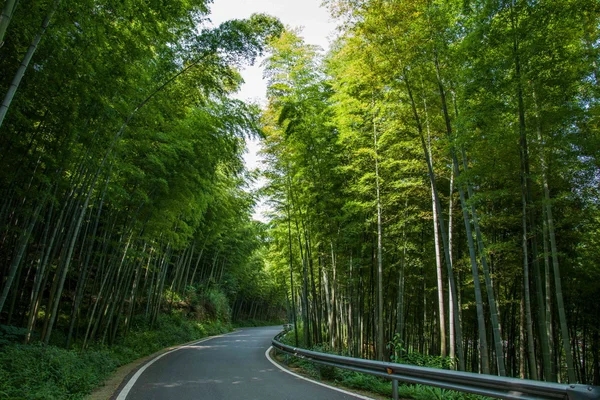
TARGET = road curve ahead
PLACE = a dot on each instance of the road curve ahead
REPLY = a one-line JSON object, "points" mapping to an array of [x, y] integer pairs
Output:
{"points": [[227, 367]]}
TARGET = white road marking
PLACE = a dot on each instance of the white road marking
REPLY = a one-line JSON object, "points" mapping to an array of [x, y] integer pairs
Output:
{"points": [[125, 391], [358, 396]]}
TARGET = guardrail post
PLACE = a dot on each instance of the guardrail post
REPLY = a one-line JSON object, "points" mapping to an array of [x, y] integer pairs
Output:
{"points": [[395, 389], [583, 392]]}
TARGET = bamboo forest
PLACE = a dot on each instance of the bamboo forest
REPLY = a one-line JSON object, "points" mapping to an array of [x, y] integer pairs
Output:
{"points": [[432, 182]]}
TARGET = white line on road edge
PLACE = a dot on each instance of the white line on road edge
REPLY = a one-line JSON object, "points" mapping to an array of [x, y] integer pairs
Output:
{"points": [[125, 391], [310, 380]]}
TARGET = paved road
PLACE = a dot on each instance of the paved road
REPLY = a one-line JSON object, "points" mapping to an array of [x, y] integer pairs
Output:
{"points": [[232, 366]]}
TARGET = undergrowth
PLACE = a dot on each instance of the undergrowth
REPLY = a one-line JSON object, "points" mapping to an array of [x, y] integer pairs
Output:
{"points": [[373, 384]]}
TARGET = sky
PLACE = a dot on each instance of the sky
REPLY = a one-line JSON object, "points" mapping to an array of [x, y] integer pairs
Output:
{"points": [[317, 29]]}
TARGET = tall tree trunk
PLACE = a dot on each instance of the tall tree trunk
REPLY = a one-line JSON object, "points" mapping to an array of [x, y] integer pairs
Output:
{"points": [[451, 299], [483, 347], [10, 94], [7, 13], [380, 343], [549, 224], [452, 284], [438, 252], [134, 290], [22, 246], [292, 293], [68, 258], [335, 327], [83, 275], [527, 201], [496, 328], [530, 347], [192, 279]]}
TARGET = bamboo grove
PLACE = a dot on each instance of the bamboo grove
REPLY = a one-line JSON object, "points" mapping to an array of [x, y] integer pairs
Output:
{"points": [[123, 189], [434, 184]]}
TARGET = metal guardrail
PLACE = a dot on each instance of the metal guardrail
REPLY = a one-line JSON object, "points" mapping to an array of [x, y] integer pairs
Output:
{"points": [[485, 385]]}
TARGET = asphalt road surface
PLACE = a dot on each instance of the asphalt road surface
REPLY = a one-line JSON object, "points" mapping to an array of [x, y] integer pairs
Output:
{"points": [[232, 366]]}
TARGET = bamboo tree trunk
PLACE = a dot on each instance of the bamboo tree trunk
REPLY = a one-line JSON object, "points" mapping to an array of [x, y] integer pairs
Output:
{"points": [[160, 285], [496, 328], [22, 246], [438, 251], [327, 302], [191, 281], [188, 268], [440, 279], [83, 276], [316, 323], [548, 293], [89, 333], [305, 311], [549, 224], [400, 300], [128, 276], [483, 347], [134, 290], [25, 63], [120, 278], [380, 343], [562, 317], [451, 299], [337, 312], [291, 259], [7, 13], [526, 185], [452, 284], [530, 347], [38, 276], [68, 258]]}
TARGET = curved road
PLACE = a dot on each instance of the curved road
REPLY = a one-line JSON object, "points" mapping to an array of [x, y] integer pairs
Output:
{"points": [[231, 366]]}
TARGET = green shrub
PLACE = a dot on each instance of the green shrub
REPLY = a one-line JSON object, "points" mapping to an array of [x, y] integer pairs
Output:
{"points": [[402, 356], [11, 334], [366, 382], [217, 302], [48, 372]]}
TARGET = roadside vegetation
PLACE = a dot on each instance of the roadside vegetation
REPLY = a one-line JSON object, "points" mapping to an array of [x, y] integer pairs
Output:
{"points": [[369, 384]]}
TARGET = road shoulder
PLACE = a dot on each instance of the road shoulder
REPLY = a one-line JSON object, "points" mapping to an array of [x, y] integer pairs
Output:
{"points": [[361, 394]]}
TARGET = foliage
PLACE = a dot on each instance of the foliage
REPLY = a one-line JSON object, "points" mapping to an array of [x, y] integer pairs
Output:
{"points": [[11, 334], [401, 356], [441, 134], [47, 372]]}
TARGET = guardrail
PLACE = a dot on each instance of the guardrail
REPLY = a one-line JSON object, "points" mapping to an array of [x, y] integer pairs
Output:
{"points": [[468, 382]]}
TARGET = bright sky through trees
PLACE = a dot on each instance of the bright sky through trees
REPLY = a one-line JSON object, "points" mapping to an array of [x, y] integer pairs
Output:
{"points": [[308, 14]]}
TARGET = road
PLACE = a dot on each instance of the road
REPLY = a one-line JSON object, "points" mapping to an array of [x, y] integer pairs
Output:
{"points": [[232, 366]]}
